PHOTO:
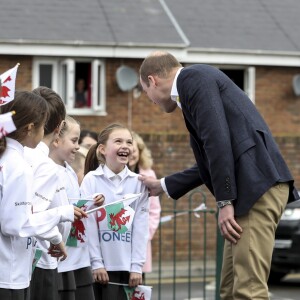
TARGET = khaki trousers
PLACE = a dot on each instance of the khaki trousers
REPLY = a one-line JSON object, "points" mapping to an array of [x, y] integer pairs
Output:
{"points": [[246, 265]]}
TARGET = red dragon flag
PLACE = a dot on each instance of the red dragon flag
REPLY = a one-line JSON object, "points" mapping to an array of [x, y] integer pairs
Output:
{"points": [[117, 216], [8, 82], [141, 292], [7, 124], [77, 235]]}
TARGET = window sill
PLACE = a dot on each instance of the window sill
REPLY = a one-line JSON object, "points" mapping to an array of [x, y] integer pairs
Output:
{"points": [[85, 112]]}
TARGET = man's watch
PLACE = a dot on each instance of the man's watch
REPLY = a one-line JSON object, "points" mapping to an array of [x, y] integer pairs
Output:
{"points": [[221, 204]]}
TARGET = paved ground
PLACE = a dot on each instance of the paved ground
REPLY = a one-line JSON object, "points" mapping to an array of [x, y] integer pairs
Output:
{"points": [[170, 284]]}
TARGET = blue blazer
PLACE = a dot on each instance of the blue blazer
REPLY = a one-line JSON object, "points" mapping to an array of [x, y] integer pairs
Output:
{"points": [[237, 157]]}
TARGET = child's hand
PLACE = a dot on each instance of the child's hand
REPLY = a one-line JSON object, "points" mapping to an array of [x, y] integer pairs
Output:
{"points": [[58, 251], [135, 279], [99, 199], [79, 213], [101, 276]]}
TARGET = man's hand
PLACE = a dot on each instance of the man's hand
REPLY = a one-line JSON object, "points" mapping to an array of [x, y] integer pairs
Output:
{"points": [[58, 251], [135, 279], [229, 228], [79, 213], [101, 276], [152, 184]]}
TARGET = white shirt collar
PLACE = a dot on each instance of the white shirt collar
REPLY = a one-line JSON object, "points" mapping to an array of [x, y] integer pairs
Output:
{"points": [[110, 174], [174, 91]]}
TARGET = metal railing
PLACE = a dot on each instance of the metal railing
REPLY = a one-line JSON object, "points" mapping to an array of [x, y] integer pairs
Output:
{"points": [[176, 273]]}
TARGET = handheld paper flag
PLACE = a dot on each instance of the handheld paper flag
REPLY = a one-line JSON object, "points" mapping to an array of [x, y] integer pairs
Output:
{"points": [[6, 124], [141, 292], [77, 234], [8, 82], [127, 199], [201, 207]]}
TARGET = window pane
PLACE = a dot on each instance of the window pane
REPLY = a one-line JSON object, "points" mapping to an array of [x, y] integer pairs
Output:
{"points": [[237, 76], [83, 96], [45, 75]]}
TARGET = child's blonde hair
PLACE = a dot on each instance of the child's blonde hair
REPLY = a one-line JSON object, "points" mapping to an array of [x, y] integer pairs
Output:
{"points": [[69, 121], [145, 161]]}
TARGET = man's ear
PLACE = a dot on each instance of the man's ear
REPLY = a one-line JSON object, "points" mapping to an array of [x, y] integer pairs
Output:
{"points": [[152, 80]]}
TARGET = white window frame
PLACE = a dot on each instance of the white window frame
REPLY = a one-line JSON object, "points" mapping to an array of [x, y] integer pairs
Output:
{"points": [[249, 78], [249, 83], [98, 105], [36, 72]]}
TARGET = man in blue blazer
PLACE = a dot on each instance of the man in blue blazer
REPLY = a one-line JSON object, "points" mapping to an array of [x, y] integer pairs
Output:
{"points": [[236, 158]]}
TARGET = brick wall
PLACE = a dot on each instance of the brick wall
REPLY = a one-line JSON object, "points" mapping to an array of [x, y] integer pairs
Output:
{"points": [[166, 136]]}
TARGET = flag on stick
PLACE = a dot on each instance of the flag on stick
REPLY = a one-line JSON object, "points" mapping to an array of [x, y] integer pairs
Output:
{"points": [[141, 292], [77, 234], [201, 207], [118, 215], [7, 124], [127, 199], [8, 82]]}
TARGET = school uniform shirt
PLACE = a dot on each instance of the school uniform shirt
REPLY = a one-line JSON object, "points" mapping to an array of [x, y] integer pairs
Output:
{"points": [[76, 244], [49, 192], [17, 223], [115, 243]]}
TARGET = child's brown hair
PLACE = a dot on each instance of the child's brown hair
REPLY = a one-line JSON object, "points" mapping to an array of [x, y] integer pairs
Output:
{"points": [[29, 108]]}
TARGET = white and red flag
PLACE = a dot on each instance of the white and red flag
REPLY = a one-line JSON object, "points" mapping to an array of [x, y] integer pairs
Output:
{"points": [[7, 124], [8, 82], [141, 292]]}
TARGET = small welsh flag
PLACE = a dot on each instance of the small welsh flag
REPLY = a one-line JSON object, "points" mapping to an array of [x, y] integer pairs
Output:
{"points": [[8, 82], [119, 217], [7, 124], [77, 233], [141, 292], [119, 214]]}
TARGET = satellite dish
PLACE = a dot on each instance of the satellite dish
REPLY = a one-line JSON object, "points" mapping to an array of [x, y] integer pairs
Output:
{"points": [[296, 84], [127, 78]]}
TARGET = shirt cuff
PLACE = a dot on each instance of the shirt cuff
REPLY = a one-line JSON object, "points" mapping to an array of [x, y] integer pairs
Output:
{"points": [[56, 240], [67, 213], [164, 187], [136, 268], [226, 200]]}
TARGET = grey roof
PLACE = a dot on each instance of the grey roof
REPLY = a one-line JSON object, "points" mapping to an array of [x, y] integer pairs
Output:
{"points": [[267, 25], [240, 24]]}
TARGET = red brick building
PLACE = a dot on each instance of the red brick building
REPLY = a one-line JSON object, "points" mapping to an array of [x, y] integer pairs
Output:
{"points": [[257, 44]]}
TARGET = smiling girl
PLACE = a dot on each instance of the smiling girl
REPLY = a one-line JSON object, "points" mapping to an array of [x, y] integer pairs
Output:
{"points": [[117, 252], [75, 276]]}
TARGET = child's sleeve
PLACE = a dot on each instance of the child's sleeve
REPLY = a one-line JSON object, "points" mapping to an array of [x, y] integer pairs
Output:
{"points": [[92, 229], [45, 186]]}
